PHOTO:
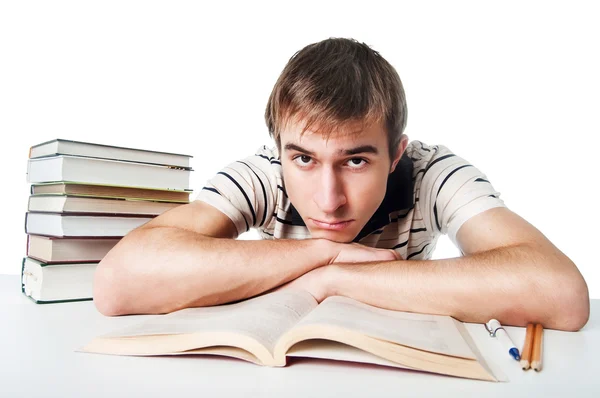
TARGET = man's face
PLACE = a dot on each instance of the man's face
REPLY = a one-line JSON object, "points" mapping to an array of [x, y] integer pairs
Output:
{"points": [[336, 185]]}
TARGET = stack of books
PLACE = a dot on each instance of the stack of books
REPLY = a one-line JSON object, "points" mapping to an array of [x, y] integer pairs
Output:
{"points": [[84, 198]]}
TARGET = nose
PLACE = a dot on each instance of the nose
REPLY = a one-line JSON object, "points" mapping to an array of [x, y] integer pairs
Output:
{"points": [[329, 196]]}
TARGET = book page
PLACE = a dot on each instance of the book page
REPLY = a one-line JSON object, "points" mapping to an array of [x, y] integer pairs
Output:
{"points": [[264, 318], [433, 333], [320, 349]]}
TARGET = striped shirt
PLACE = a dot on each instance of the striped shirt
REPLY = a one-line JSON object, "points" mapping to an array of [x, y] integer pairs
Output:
{"points": [[432, 192]]}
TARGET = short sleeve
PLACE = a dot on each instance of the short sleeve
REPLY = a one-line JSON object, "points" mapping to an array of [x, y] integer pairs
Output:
{"points": [[452, 191], [246, 190]]}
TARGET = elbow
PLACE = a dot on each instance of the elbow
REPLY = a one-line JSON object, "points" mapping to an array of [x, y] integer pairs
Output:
{"points": [[114, 290], [124, 286], [572, 303], [106, 294], [575, 307]]}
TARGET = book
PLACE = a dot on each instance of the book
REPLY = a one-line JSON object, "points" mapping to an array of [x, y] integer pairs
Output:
{"points": [[82, 204], [107, 191], [84, 198], [49, 249], [60, 224], [268, 329], [46, 283], [68, 147], [66, 168]]}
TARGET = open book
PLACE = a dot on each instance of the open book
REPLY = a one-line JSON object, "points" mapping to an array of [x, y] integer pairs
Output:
{"points": [[267, 329]]}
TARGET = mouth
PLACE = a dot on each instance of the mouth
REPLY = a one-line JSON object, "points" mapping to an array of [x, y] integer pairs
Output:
{"points": [[332, 226]]}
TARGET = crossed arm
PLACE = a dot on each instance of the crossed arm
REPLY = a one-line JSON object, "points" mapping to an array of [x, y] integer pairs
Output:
{"points": [[509, 271]]}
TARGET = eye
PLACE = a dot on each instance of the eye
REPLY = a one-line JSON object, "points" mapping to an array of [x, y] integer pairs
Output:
{"points": [[302, 160], [357, 163]]}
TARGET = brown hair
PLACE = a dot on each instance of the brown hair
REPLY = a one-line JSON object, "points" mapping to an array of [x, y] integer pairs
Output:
{"points": [[334, 83]]}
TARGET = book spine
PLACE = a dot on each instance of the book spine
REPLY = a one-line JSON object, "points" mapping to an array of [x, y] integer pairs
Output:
{"points": [[22, 275], [28, 175]]}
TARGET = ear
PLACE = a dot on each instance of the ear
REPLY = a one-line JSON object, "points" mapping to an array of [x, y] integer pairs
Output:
{"points": [[399, 152]]}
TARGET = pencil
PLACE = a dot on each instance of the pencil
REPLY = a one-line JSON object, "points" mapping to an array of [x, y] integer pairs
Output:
{"points": [[536, 351], [527, 347]]}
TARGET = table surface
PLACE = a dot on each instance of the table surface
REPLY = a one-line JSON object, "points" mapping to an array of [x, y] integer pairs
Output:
{"points": [[38, 358]]}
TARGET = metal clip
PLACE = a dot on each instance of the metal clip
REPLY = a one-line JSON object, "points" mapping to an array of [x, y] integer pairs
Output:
{"points": [[490, 331]]}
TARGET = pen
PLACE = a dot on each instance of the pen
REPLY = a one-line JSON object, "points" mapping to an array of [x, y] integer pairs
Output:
{"points": [[496, 330]]}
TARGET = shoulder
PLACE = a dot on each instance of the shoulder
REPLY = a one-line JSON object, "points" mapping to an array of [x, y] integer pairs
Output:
{"points": [[264, 164], [449, 189], [423, 155], [268, 153], [246, 190], [434, 162]]}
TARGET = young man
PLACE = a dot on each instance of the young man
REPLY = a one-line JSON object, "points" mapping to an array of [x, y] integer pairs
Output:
{"points": [[342, 202]]}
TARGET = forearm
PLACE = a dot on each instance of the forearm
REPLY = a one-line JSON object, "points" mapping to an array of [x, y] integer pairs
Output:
{"points": [[162, 269], [515, 285]]}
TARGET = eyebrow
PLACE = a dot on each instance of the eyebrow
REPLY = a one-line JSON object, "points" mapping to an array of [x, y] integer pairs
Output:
{"points": [[346, 152]]}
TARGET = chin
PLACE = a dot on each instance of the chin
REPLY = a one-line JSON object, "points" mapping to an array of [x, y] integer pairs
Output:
{"points": [[334, 236]]}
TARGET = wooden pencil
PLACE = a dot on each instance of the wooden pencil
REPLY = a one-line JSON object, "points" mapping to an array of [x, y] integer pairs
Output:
{"points": [[536, 351], [527, 347]]}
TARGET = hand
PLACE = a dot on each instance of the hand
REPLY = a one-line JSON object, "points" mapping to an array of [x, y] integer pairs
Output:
{"points": [[320, 281], [357, 253]]}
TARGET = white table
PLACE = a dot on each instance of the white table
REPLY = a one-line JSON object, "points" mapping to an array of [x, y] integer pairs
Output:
{"points": [[38, 359]]}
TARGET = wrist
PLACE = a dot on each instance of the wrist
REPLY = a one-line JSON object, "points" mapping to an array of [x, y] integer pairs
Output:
{"points": [[328, 250], [333, 279]]}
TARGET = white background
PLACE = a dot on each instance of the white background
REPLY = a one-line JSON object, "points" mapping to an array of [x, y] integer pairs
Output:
{"points": [[512, 87]]}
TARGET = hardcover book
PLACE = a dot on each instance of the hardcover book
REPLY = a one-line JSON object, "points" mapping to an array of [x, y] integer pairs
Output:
{"points": [[49, 249], [77, 148], [62, 224], [83, 204], [66, 168], [108, 191], [56, 283]]}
